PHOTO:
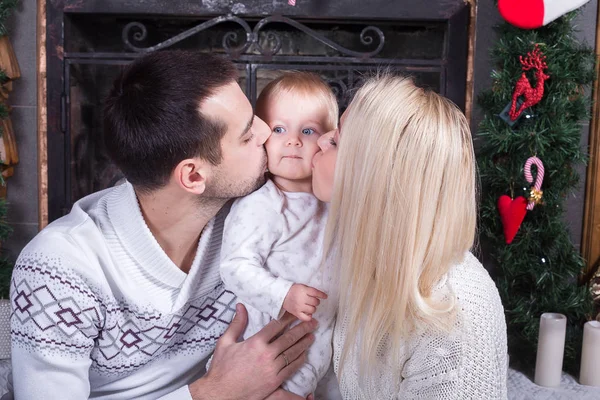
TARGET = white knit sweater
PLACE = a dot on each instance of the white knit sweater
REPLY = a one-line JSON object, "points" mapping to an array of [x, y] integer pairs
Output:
{"points": [[468, 363], [100, 311]]}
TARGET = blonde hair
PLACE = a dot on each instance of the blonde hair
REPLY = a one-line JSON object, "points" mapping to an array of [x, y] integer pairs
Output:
{"points": [[403, 212], [303, 83]]}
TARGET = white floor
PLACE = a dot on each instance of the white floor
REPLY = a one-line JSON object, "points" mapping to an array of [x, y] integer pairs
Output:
{"points": [[520, 387]]}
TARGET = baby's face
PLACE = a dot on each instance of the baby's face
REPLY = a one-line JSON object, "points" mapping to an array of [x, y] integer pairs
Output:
{"points": [[296, 121]]}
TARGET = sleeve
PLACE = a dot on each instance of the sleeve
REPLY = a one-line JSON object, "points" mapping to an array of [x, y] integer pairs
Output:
{"points": [[305, 380], [458, 366], [183, 393], [55, 320], [251, 229], [471, 361], [432, 372]]}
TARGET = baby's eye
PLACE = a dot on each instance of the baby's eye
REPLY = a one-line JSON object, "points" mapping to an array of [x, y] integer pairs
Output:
{"points": [[279, 129], [308, 131]]}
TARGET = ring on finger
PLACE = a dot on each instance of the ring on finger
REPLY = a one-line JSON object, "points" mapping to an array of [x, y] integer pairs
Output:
{"points": [[287, 362]]}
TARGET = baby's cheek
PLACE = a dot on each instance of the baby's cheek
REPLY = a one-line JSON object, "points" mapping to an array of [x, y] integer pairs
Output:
{"points": [[314, 143], [271, 146], [270, 162]]}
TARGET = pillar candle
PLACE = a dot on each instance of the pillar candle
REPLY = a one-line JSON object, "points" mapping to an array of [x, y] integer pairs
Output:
{"points": [[550, 351], [590, 357]]}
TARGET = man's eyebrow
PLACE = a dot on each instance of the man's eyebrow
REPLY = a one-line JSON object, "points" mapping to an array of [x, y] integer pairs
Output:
{"points": [[248, 126]]}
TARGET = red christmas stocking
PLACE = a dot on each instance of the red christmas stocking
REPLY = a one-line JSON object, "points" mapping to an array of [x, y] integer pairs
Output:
{"points": [[532, 14]]}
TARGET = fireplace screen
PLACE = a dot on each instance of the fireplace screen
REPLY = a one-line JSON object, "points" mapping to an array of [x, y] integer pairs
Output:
{"points": [[342, 51]]}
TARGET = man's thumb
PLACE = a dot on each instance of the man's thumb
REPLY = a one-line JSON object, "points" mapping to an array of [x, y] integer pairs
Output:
{"points": [[237, 326]]}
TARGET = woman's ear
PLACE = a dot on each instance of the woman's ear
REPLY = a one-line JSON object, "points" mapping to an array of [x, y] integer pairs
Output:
{"points": [[191, 174]]}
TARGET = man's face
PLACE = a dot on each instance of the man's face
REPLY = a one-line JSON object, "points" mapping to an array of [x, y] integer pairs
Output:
{"points": [[244, 162]]}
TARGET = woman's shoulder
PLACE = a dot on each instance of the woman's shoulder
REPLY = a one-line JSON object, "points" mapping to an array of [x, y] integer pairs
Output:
{"points": [[469, 276], [481, 328], [478, 302], [476, 294]]}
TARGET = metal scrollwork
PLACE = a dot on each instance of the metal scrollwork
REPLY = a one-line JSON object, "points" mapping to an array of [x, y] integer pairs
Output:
{"points": [[271, 37], [339, 88], [138, 32], [138, 36], [366, 37]]}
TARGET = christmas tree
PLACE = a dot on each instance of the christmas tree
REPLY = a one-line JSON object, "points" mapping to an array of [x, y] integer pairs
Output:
{"points": [[6, 8], [538, 271]]}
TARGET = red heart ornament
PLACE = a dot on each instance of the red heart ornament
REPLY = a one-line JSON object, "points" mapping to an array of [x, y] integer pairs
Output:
{"points": [[512, 213]]}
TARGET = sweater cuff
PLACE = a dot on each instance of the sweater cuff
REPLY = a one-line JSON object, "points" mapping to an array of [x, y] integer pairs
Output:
{"points": [[280, 288], [183, 393]]}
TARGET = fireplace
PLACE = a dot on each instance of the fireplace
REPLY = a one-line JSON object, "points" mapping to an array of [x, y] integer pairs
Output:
{"points": [[89, 41]]}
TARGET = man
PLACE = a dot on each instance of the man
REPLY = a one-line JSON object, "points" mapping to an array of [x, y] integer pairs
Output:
{"points": [[122, 297]]}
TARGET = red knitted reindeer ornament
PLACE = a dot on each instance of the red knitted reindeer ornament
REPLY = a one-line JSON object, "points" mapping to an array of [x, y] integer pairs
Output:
{"points": [[533, 95]]}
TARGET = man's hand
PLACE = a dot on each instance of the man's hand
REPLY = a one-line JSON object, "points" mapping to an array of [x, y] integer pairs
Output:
{"points": [[256, 367], [281, 394], [302, 301]]}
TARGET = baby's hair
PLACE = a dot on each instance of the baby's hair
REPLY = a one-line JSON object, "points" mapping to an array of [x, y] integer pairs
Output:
{"points": [[306, 83]]}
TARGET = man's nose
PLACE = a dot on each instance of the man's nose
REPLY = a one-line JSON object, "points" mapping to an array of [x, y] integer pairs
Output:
{"points": [[262, 131]]}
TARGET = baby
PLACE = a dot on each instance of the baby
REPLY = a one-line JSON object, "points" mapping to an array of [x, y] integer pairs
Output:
{"points": [[271, 254]]}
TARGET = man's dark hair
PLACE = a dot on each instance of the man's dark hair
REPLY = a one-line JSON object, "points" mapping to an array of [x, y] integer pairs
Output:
{"points": [[151, 116]]}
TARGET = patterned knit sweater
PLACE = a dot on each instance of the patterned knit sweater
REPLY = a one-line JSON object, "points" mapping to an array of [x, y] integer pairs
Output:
{"points": [[468, 363], [100, 311]]}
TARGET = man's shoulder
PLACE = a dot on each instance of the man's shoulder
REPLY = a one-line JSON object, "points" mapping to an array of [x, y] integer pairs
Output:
{"points": [[73, 241], [77, 225]]}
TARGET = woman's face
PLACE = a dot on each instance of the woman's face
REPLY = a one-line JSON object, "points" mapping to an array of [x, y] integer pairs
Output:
{"points": [[324, 163]]}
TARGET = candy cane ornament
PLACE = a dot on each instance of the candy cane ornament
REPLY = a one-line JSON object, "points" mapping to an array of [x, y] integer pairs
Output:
{"points": [[292, 2], [536, 191]]}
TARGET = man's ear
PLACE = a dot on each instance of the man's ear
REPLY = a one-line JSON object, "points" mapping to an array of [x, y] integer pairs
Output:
{"points": [[191, 174]]}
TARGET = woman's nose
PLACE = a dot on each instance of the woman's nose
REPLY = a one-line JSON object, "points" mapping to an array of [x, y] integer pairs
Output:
{"points": [[324, 140]]}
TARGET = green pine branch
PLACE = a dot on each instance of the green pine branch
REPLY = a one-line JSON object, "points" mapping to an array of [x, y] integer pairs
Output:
{"points": [[6, 9], [538, 271]]}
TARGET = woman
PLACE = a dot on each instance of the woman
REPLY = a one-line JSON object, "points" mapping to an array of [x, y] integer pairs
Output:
{"points": [[419, 316]]}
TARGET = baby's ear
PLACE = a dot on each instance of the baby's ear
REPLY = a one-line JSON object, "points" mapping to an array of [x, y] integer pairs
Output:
{"points": [[191, 174]]}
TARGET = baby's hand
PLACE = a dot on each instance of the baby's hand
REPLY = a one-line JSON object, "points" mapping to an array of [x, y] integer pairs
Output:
{"points": [[302, 301]]}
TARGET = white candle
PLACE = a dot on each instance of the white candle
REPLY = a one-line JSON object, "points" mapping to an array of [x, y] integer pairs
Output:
{"points": [[550, 351], [590, 357]]}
